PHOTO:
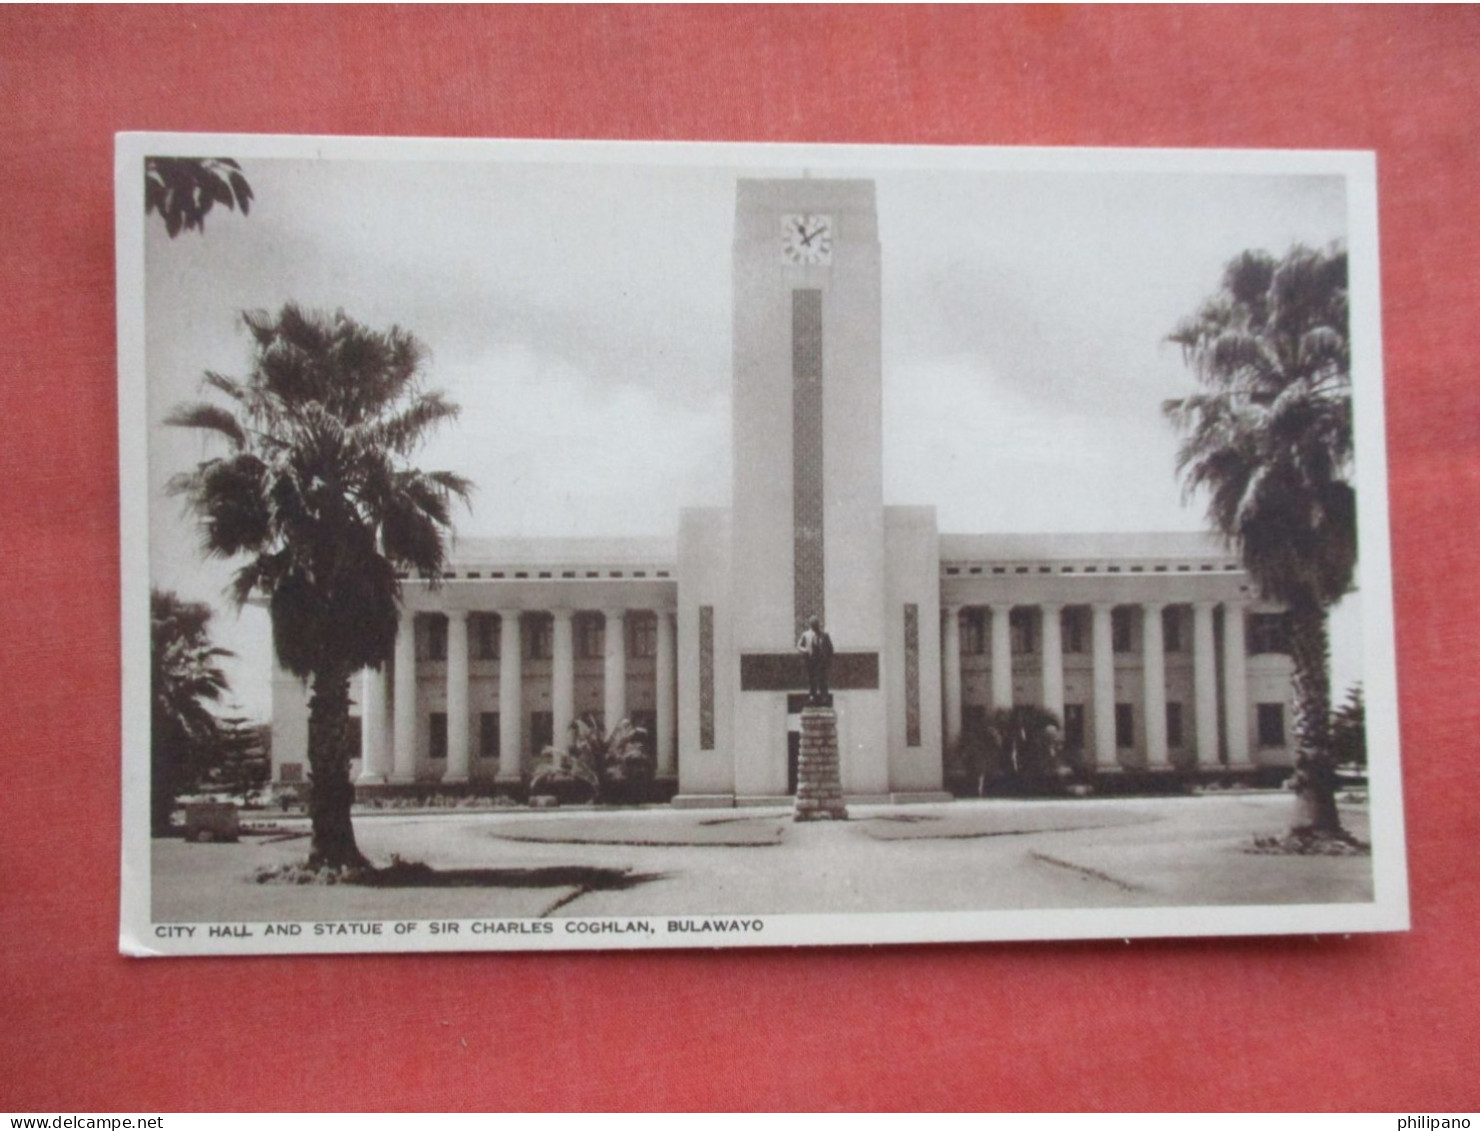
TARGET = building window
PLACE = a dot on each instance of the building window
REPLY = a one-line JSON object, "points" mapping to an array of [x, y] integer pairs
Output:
{"points": [[974, 632], [1122, 628], [1271, 724], [642, 637], [437, 735], [541, 730], [590, 638], [1171, 629], [1073, 630], [1269, 632], [541, 638], [1125, 725], [487, 629], [488, 740], [1023, 625], [1174, 724], [1074, 727], [436, 638]]}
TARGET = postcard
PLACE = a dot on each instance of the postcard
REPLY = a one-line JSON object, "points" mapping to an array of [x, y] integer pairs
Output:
{"points": [[552, 545]]}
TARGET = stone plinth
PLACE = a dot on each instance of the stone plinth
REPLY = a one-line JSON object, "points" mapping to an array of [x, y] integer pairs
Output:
{"points": [[819, 785]]}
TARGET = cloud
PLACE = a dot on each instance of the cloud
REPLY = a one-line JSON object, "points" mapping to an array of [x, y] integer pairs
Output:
{"points": [[992, 456], [580, 314], [556, 450]]}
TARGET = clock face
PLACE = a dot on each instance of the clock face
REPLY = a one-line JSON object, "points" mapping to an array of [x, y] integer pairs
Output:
{"points": [[806, 239]]}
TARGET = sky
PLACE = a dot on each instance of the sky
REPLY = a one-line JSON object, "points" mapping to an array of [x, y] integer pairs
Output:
{"points": [[579, 312]]}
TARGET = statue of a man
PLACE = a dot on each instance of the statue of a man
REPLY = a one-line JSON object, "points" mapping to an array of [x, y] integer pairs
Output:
{"points": [[817, 649]]}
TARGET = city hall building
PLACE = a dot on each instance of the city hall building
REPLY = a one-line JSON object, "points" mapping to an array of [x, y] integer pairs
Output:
{"points": [[1152, 649]]}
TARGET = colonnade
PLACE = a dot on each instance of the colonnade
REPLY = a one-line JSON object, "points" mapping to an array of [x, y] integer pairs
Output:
{"points": [[1102, 699], [389, 720]]}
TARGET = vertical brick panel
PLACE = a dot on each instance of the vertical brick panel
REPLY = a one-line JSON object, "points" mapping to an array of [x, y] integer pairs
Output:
{"points": [[912, 675], [806, 454], [706, 677]]}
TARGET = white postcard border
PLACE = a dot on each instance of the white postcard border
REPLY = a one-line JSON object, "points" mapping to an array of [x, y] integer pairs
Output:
{"points": [[141, 936]]}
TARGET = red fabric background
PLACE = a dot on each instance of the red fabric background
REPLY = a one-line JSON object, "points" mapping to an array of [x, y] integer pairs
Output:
{"points": [[1374, 1022]]}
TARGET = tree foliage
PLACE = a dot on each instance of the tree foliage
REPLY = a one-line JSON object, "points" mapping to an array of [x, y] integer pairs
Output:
{"points": [[1270, 437], [596, 764], [1349, 729], [1268, 440], [185, 681], [1016, 748], [316, 496], [239, 762], [183, 190]]}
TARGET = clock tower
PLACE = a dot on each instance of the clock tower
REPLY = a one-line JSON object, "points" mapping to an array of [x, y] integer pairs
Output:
{"points": [[807, 533], [808, 475], [807, 405]]}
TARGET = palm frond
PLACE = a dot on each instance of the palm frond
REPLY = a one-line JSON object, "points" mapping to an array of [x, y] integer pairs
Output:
{"points": [[211, 418], [404, 431], [452, 484], [412, 538]]}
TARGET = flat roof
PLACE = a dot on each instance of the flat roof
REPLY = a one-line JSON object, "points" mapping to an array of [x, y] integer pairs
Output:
{"points": [[1151, 545], [1148, 545], [562, 551]]}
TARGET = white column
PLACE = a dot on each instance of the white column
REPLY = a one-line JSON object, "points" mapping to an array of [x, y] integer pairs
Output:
{"points": [[1053, 661], [404, 718], [950, 660], [457, 696], [1103, 654], [1205, 682], [614, 671], [1154, 680], [665, 701], [375, 745], [510, 695], [1235, 684], [1001, 657], [563, 677]]}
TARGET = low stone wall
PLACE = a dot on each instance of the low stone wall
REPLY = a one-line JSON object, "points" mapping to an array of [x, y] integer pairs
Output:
{"points": [[656, 792]]}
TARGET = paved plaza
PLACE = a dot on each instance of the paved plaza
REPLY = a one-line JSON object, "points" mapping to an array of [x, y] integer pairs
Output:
{"points": [[966, 855]]}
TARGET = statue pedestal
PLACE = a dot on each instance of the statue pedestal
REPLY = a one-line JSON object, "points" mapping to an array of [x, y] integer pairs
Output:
{"points": [[819, 785]]}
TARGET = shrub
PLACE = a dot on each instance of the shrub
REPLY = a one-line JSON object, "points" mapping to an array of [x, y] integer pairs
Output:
{"points": [[1018, 749], [596, 765], [564, 776]]}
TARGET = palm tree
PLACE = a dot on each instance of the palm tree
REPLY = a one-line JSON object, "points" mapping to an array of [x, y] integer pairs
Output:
{"points": [[1270, 441], [185, 678], [596, 765], [183, 190], [316, 493]]}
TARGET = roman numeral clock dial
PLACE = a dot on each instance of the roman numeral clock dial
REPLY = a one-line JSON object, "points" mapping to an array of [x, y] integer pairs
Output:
{"points": [[806, 240]]}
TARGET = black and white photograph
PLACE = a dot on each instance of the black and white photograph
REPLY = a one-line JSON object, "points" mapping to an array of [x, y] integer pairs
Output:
{"points": [[551, 545]]}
